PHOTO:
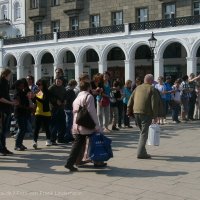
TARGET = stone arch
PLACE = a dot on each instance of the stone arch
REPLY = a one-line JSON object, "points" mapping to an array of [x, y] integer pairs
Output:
{"points": [[41, 54], [7, 57], [109, 47], [84, 50], [61, 52], [163, 46], [195, 48], [133, 49], [22, 57]]}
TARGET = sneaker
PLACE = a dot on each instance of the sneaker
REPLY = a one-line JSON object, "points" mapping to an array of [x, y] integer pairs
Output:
{"points": [[71, 168], [34, 145], [48, 143]]}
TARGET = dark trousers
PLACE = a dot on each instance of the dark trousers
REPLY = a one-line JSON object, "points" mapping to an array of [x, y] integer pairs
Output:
{"points": [[23, 124], [42, 120], [58, 124], [5, 126], [143, 122], [192, 102], [69, 122], [175, 111], [76, 148], [126, 117], [120, 112]]}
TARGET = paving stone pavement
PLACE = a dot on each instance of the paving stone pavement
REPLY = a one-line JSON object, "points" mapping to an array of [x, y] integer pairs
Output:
{"points": [[173, 173]]}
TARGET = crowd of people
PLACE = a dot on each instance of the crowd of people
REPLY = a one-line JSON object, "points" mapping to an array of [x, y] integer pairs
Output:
{"points": [[110, 102]]}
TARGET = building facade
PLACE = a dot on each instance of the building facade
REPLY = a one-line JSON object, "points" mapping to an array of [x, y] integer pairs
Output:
{"points": [[12, 18], [95, 36]]}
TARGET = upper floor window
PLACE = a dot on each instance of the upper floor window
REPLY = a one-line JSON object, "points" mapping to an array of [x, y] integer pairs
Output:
{"points": [[117, 18], [55, 26], [55, 2], [38, 28], [94, 21], [142, 14], [4, 12], [169, 10], [34, 3], [196, 8], [17, 11], [74, 23]]}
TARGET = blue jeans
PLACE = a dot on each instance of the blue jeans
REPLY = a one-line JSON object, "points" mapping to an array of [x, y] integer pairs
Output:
{"points": [[23, 124], [5, 128], [69, 122]]}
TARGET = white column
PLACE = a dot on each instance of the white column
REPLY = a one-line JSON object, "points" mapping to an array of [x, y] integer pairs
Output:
{"points": [[158, 68], [129, 70], [37, 72], [20, 72], [1, 56], [78, 70], [191, 65], [102, 66]]}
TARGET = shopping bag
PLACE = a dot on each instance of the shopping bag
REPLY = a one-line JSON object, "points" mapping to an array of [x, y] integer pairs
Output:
{"points": [[100, 147], [154, 135]]}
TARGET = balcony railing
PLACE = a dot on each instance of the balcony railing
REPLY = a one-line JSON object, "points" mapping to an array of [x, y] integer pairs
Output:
{"points": [[173, 22], [91, 31], [5, 22], [182, 21], [35, 38]]}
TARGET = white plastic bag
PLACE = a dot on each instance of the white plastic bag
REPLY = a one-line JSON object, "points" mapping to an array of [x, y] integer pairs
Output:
{"points": [[154, 135]]}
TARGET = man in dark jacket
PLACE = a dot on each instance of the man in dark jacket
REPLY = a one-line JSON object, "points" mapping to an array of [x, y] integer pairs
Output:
{"points": [[144, 104], [57, 94], [5, 109]]}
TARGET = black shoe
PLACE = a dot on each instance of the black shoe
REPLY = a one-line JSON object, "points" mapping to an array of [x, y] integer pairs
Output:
{"points": [[130, 126], [24, 147], [62, 141], [19, 149], [100, 165], [2, 153], [7, 152], [148, 156], [114, 128], [71, 168]]}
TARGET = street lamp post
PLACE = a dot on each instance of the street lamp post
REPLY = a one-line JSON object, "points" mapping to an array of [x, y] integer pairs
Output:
{"points": [[152, 44]]}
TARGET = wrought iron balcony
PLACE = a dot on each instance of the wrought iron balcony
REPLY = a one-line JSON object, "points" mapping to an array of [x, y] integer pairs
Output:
{"points": [[173, 22], [35, 38], [91, 31], [5, 22], [73, 6]]}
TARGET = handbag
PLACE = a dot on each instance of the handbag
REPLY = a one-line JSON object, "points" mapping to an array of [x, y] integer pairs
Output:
{"points": [[100, 147], [84, 118], [154, 135], [104, 101]]}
